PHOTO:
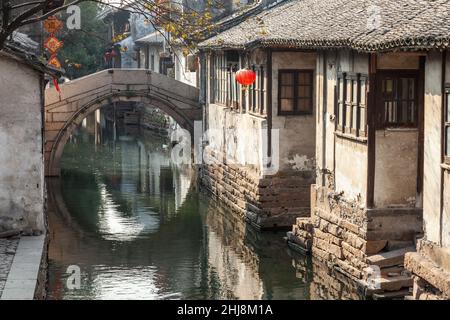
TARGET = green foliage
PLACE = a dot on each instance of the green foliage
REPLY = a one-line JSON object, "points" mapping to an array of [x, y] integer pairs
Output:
{"points": [[83, 50]]}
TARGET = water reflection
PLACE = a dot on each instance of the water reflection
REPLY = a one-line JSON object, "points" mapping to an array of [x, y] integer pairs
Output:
{"points": [[138, 228]]}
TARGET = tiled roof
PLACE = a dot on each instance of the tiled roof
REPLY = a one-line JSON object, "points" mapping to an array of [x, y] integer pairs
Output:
{"points": [[152, 38], [365, 25], [18, 53]]}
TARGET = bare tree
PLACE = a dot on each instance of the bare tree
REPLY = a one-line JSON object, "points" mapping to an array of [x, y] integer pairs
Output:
{"points": [[180, 19], [14, 16]]}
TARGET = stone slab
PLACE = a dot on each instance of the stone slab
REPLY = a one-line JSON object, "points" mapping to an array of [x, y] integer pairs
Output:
{"points": [[23, 275]]}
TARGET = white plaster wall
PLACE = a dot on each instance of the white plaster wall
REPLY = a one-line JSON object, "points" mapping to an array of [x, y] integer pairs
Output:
{"points": [[297, 135], [239, 136], [446, 191], [319, 93], [181, 74], [21, 158], [331, 78], [432, 146], [155, 50], [351, 169], [396, 160], [446, 211]]}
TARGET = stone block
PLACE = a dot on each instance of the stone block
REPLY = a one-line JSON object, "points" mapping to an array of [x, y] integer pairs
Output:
{"points": [[346, 267], [355, 252], [326, 246], [390, 258], [374, 246]]}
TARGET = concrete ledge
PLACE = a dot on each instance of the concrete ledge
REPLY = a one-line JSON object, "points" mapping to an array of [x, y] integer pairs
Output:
{"points": [[24, 272]]}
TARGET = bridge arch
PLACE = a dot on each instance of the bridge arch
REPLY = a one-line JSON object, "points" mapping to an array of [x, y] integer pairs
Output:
{"points": [[83, 96]]}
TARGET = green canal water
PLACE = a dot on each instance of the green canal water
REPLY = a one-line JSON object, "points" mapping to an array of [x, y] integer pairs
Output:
{"points": [[137, 227]]}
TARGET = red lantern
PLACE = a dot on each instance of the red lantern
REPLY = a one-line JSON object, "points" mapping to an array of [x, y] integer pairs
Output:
{"points": [[245, 77]]}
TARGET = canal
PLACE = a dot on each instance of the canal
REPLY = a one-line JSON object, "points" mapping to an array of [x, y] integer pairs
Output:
{"points": [[137, 227]]}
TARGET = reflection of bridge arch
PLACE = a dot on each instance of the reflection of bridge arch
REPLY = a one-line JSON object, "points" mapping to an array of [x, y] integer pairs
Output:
{"points": [[85, 95]]}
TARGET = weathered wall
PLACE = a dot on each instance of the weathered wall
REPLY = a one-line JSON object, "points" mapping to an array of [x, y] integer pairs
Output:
{"points": [[396, 150], [233, 167], [181, 73], [396, 161], [432, 146], [272, 200], [297, 133], [446, 210], [344, 158], [351, 169], [431, 263], [446, 191], [21, 158], [341, 230], [239, 136]]}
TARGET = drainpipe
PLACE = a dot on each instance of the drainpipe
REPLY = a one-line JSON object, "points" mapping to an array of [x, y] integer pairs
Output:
{"points": [[441, 205]]}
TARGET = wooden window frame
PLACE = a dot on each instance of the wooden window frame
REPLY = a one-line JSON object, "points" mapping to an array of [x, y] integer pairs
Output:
{"points": [[219, 79], [350, 107], [296, 73], [446, 124], [152, 62], [147, 57], [257, 92], [225, 90], [397, 74]]}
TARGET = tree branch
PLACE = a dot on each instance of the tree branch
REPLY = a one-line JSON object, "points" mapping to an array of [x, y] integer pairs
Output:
{"points": [[50, 13], [26, 4]]}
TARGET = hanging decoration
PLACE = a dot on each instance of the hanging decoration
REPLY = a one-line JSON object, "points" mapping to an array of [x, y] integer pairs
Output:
{"points": [[55, 83], [245, 77], [52, 25], [52, 44], [54, 62]]}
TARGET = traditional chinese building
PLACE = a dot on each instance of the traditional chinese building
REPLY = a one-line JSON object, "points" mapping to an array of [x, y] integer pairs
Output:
{"points": [[22, 81], [357, 92]]}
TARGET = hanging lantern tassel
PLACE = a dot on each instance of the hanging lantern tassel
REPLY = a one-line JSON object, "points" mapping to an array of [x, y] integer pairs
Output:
{"points": [[245, 77], [55, 82]]}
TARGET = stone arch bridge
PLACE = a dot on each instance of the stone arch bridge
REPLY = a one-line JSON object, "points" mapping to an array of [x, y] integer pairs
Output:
{"points": [[85, 95]]}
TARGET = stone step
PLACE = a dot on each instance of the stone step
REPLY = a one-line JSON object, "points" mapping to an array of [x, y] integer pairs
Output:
{"points": [[395, 283], [401, 294], [392, 270], [390, 258]]}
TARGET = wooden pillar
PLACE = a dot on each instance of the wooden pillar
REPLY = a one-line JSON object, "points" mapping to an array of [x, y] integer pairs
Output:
{"points": [[269, 103], [371, 130]]}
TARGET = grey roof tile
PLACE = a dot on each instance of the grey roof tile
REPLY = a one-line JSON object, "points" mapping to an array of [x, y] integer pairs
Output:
{"points": [[366, 25]]}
